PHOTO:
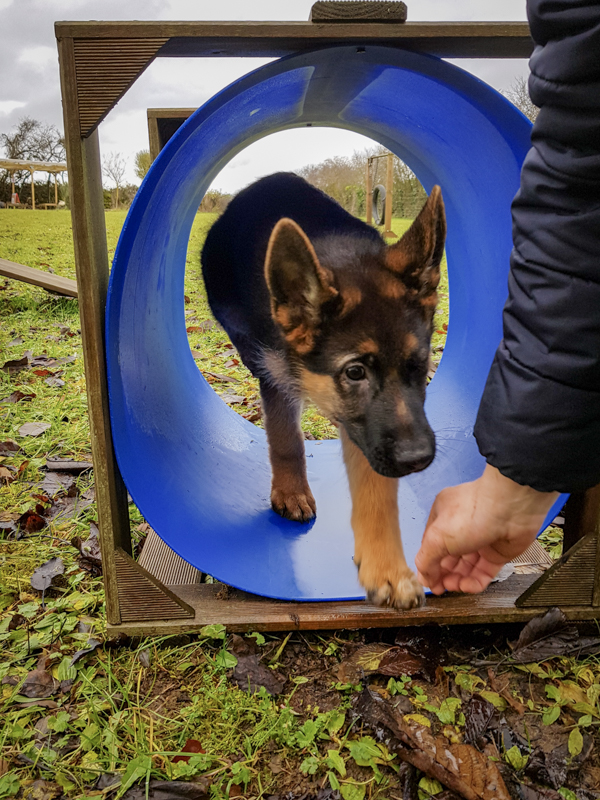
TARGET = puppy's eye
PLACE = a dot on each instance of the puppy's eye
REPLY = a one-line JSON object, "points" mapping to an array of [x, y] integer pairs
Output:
{"points": [[356, 372]]}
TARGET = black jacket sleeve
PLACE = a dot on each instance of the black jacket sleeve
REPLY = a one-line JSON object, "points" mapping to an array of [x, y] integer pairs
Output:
{"points": [[539, 418]]}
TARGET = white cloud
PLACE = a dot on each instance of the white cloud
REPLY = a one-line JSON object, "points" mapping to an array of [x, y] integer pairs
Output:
{"points": [[8, 106], [29, 66], [39, 57]]}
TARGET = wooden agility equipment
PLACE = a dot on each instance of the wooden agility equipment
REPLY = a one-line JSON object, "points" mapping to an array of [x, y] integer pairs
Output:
{"points": [[37, 277], [388, 233], [99, 61], [13, 165], [162, 124]]}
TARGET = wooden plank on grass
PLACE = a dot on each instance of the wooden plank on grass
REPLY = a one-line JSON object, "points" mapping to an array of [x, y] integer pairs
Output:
{"points": [[53, 283]]}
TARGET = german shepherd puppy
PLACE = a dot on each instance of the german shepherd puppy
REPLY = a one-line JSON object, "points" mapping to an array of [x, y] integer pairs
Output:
{"points": [[320, 308]]}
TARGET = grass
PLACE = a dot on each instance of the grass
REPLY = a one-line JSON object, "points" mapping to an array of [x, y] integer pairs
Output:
{"points": [[128, 707]]}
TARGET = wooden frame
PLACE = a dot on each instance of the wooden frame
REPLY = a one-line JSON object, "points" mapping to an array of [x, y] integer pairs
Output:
{"points": [[162, 124], [99, 61], [388, 233]]}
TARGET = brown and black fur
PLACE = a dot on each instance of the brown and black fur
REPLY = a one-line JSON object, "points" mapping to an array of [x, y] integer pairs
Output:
{"points": [[321, 308]]}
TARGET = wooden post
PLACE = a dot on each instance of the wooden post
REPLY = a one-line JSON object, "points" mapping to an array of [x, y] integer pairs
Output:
{"points": [[389, 197], [32, 190], [91, 261], [12, 183], [369, 191], [55, 190]]}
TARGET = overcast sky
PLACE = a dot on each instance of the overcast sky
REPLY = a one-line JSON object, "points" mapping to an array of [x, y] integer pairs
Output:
{"points": [[30, 79]]}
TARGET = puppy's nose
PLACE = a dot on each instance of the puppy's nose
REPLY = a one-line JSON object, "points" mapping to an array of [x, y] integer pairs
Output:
{"points": [[417, 458]]}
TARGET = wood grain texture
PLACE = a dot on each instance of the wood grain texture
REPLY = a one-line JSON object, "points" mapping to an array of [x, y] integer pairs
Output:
{"points": [[358, 11], [275, 39], [164, 564], [142, 597], [568, 582], [91, 262], [243, 612], [105, 69], [37, 277]]}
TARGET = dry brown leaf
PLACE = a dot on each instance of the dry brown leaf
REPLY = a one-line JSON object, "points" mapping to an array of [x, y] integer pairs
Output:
{"points": [[459, 767]]}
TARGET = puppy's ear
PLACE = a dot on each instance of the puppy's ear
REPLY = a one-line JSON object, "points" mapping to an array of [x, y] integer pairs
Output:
{"points": [[298, 284], [417, 256]]}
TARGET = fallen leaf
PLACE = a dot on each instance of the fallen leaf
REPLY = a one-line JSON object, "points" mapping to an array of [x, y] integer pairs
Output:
{"points": [[33, 428], [68, 465], [55, 482], [552, 635], [39, 683], [91, 554], [223, 378], [144, 658], [233, 399], [17, 621], [15, 365], [9, 447], [169, 790], [6, 476], [50, 361], [17, 397], [54, 383], [89, 648], [363, 661], [390, 660], [43, 576], [31, 522], [14, 342], [64, 508], [42, 790], [478, 715], [191, 746], [459, 767], [250, 675]]}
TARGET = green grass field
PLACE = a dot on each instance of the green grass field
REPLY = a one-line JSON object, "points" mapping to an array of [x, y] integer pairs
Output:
{"points": [[122, 710]]}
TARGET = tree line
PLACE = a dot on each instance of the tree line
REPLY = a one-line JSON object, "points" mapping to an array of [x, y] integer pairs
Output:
{"points": [[343, 178]]}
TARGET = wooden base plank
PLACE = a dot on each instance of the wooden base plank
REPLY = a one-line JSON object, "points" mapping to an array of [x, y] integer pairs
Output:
{"points": [[239, 611], [48, 281]]}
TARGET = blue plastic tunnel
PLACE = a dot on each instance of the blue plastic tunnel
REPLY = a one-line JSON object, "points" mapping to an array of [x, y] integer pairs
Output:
{"points": [[199, 472]]}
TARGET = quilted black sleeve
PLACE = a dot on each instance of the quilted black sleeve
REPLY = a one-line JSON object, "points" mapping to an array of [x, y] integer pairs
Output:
{"points": [[539, 417]]}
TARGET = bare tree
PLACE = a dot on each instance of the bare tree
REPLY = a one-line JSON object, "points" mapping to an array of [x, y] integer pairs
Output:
{"points": [[142, 163], [114, 167], [518, 94]]}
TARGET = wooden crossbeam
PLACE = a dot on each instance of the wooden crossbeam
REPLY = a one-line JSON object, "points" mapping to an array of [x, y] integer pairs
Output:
{"points": [[108, 57]]}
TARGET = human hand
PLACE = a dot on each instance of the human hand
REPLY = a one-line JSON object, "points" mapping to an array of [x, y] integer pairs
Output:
{"points": [[475, 528]]}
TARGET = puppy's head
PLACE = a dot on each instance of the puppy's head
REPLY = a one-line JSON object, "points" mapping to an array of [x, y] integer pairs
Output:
{"points": [[357, 317]]}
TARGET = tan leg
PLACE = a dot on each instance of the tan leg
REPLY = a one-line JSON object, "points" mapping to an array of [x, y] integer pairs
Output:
{"points": [[290, 493], [378, 553]]}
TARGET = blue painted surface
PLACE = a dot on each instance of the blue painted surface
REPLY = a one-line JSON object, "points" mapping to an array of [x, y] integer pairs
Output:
{"points": [[199, 472]]}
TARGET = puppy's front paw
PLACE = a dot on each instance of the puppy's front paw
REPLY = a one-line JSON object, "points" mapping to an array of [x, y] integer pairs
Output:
{"points": [[391, 585], [298, 506]]}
